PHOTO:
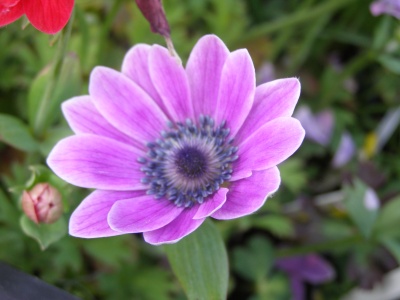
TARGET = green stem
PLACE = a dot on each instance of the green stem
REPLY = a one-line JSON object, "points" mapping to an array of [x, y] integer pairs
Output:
{"points": [[42, 112], [106, 29], [321, 247], [296, 18], [357, 64]]}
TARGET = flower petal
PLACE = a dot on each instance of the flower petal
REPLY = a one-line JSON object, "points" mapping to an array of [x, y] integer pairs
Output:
{"points": [[170, 80], [272, 100], [237, 88], [174, 231], [248, 195], [136, 67], [92, 161], [268, 146], [212, 204], [316, 270], [297, 288], [142, 214], [10, 11], [89, 220], [345, 151], [125, 105], [49, 16], [83, 117], [204, 69]]}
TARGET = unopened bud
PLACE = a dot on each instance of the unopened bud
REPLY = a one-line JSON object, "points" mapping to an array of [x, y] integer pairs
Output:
{"points": [[42, 204], [153, 11]]}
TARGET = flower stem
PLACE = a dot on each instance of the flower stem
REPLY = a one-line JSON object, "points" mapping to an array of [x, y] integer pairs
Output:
{"points": [[172, 51], [42, 112], [295, 19], [321, 247], [105, 29]]}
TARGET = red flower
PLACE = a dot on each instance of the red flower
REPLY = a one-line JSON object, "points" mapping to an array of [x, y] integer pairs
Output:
{"points": [[48, 16]]}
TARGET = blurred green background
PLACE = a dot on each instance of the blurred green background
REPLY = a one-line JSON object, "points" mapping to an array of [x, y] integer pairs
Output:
{"points": [[348, 63]]}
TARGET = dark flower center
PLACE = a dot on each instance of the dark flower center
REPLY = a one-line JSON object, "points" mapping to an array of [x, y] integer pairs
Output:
{"points": [[189, 162]]}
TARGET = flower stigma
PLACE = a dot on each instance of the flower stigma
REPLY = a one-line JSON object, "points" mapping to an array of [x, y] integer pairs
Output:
{"points": [[189, 162]]}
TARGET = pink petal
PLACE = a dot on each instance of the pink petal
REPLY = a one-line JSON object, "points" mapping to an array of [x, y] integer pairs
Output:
{"points": [[268, 146], [10, 11], [237, 88], [92, 161], [204, 69], [136, 67], [248, 195], [49, 16], [83, 117], [212, 204], [142, 214], [174, 231], [89, 220], [272, 100], [125, 105], [170, 80]]}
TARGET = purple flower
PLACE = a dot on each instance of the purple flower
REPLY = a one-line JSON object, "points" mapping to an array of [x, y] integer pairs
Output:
{"points": [[167, 147], [308, 268], [371, 200], [345, 151], [318, 127], [390, 7]]}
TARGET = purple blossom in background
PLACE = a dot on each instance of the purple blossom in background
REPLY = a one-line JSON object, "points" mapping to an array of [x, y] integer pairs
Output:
{"points": [[309, 268], [345, 151], [371, 200], [318, 127], [167, 147], [390, 7]]}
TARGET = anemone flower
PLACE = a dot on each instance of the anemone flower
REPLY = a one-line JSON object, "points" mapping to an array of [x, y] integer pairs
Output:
{"points": [[48, 16], [389, 7], [309, 268], [167, 147]]}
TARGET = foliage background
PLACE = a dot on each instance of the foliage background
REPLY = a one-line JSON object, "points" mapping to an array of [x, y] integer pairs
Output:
{"points": [[327, 44]]}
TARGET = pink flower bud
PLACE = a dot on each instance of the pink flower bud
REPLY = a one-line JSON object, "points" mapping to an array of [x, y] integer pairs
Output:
{"points": [[153, 11], [42, 204]]}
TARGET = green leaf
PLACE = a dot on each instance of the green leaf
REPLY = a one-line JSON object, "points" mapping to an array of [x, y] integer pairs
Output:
{"points": [[254, 261], [278, 225], [53, 136], [46, 93], [390, 62], [292, 174], [393, 246], [388, 221], [363, 218], [200, 262], [382, 33], [8, 212], [36, 93], [44, 234], [113, 251], [15, 133]]}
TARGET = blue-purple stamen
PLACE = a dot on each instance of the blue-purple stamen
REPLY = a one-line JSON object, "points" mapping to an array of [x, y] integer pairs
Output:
{"points": [[189, 161]]}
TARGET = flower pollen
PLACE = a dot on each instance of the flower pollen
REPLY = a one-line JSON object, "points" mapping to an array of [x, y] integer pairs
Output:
{"points": [[189, 162]]}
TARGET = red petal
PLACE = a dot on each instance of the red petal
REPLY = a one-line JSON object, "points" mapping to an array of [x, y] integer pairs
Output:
{"points": [[10, 11], [49, 16]]}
